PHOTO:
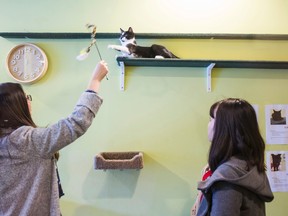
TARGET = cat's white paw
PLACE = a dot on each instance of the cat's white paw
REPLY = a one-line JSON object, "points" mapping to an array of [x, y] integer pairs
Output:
{"points": [[159, 57], [111, 46]]}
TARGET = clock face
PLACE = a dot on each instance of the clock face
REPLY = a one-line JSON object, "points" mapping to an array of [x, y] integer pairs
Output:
{"points": [[27, 63]]}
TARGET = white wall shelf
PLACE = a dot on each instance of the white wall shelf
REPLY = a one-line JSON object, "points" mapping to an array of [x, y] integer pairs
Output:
{"points": [[209, 64]]}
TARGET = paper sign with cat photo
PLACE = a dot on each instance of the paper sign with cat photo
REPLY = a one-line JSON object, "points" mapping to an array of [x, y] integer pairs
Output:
{"points": [[129, 47], [276, 124], [277, 171]]}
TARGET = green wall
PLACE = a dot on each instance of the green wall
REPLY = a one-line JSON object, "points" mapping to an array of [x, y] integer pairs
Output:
{"points": [[163, 111]]}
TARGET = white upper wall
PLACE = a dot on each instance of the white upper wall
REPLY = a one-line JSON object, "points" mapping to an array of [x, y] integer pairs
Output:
{"points": [[149, 16]]}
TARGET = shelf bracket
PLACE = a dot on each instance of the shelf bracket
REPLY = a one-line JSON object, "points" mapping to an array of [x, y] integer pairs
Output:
{"points": [[208, 73], [122, 76]]}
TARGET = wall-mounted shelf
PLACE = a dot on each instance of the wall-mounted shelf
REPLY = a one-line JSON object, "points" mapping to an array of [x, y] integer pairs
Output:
{"points": [[209, 64], [83, 35], [119, 160]]}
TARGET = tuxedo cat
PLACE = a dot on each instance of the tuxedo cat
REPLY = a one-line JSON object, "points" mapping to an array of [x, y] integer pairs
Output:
{"points": [[129, 48]]}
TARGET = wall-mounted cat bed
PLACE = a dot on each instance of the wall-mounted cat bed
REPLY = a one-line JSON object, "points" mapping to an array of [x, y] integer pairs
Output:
{"points": [[119, 160]]}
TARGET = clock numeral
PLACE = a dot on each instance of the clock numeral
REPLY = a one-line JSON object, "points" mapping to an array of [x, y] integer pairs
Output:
{"points": [[21, 52], [33, 75], [27, 49], [13, 62], [20, 73], [38, 56], [16, 57], [37, 70], [26, 76], [15, 69]]}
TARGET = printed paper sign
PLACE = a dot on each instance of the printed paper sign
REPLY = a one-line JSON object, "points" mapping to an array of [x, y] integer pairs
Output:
{"points": [[276, 124], [277, 171]]}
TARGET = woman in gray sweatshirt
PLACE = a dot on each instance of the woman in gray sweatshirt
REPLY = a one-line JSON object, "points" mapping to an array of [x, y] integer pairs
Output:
{"points": [[238, 185], [28, 180]]}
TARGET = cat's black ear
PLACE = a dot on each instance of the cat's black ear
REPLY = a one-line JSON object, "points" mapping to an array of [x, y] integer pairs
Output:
{"points": [[121, 30], [130, 29]]}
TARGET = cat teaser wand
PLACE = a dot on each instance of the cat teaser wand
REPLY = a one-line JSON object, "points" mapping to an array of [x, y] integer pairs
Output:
{"points": [[85, 52]]}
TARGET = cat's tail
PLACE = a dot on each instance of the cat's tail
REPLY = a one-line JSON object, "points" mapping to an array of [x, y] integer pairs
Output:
{"points": [[170, 54], [174, 56]]}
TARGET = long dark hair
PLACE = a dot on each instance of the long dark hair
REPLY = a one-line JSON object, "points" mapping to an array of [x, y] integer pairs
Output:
{"points": [[236, 133], [14, 110]]}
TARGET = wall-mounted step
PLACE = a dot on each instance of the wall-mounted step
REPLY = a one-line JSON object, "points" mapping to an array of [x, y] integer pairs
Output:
{"points": [[119, 160]]}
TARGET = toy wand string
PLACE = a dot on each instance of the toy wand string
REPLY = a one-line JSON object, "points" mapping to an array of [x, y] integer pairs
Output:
{"points": [[93, 39], [84, 53]]}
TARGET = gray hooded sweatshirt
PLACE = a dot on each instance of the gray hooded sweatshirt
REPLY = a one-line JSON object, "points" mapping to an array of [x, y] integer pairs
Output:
{"points": [[28, 181], [232, 190]]}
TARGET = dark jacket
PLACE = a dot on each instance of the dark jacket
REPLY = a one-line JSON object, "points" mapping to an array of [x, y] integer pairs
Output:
{"points": [[232, 190]]}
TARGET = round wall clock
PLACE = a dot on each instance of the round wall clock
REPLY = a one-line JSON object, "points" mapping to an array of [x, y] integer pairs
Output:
{"points": [[27, 63]]}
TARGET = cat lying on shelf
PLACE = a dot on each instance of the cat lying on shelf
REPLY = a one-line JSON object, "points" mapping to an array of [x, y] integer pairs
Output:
{"points": [[129, 48]]}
